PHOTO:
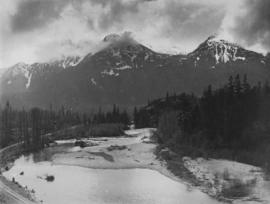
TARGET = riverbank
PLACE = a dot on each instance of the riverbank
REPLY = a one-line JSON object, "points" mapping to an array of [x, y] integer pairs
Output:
{"points": [[225, 180], [134, 151], [12, 192], [138, 149]]}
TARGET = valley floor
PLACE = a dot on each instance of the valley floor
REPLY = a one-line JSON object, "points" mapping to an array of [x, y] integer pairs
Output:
{"points": [[138, 150]]}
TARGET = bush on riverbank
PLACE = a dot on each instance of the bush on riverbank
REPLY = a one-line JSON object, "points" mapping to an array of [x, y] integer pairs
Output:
{"points": [[256, 157], [106, 130], [236, 189]]}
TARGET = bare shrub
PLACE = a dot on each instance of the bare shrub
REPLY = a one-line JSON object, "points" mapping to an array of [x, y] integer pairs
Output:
{"points": [[236, 189]]}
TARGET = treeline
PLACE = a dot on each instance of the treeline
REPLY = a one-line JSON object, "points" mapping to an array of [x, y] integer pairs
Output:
{"points": [[28, 126], [235, 118], [113, 116], [107, 124], [31, 126]]}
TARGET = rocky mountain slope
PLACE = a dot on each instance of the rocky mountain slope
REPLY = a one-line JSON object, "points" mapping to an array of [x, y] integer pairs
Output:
{"points": [[217, 51], [20, 76]]}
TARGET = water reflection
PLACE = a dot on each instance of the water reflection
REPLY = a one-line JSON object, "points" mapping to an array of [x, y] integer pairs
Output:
{"points": [[48, 153]]}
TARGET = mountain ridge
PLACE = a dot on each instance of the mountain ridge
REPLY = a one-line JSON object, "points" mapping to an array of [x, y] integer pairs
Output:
{"points": [[128, 73]]}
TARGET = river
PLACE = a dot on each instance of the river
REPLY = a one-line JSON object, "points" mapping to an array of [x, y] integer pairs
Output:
{"points": [[80, 185]]}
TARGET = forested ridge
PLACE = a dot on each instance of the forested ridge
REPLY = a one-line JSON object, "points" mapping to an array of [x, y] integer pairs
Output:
{"points": [[230, 122]]}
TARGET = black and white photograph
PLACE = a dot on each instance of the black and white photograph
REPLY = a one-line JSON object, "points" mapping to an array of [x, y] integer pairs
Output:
{"points": [[135, 102]]}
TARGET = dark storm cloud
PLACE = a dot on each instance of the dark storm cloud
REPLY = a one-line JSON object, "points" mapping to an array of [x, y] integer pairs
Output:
{"points": [[162, 24], [106, 2], [184, 20], [254, 26], [192, 20], [33, 14], [117, 11]]}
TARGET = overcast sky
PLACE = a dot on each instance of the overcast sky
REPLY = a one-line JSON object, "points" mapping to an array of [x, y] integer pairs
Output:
{"points": [[38, 30]]}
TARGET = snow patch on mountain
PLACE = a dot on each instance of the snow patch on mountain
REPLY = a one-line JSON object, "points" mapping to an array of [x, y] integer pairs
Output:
{"points": [[110, 73], [146, 57], [19, 69], [116, 53], [123, 67], [24, 70], [28, 71], [29, 77], [93, 81], [133, 57], [66, 61], [224, 51]]}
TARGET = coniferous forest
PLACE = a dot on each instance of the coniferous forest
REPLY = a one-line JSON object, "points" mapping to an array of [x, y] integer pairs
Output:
{"points": [[32, 126], [230, 122]]}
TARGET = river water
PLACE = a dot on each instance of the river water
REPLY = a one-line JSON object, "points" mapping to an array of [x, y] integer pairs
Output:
{"points": [[78, 185]]}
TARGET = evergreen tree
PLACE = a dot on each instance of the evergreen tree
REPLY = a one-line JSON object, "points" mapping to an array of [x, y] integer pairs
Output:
{"points": [[6, 127], [36, 127]]}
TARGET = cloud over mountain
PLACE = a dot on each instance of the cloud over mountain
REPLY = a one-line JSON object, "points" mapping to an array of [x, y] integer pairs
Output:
{"points": [[35, 30], [252, 26]]}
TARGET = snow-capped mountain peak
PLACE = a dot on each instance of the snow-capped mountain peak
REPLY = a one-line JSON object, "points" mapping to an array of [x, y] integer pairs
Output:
{"points": [[19, 68], [216, 50], [123, 40], [124, 53]]}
